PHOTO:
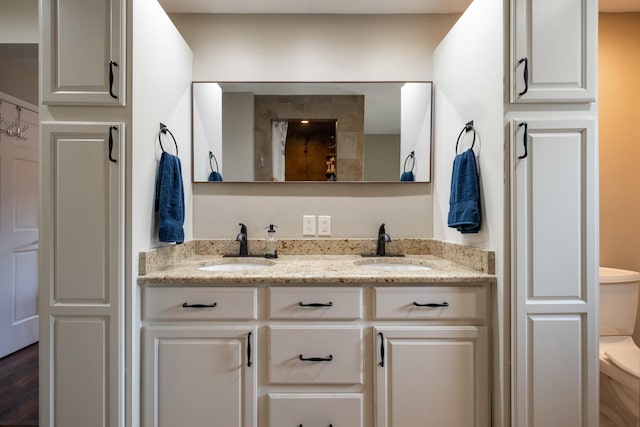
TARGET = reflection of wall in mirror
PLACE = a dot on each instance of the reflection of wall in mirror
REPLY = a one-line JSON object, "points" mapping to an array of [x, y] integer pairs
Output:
{"points": [[381, 157], [415, 123], [207, 129]]}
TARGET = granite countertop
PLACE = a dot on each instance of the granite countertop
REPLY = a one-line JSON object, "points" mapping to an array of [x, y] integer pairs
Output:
{"points": [[315, 269]]}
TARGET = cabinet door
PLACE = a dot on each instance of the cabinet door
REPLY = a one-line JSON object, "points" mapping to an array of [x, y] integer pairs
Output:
{"points": [[199, 376], [553, 50], [83, 52], [555, 273], [81, 274], [431, 375]]}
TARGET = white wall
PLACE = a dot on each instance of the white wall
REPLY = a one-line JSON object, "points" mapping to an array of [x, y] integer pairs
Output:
{"points": [[19, 37], [468, 84], [313, 48], [161, 64], [19, 21]]}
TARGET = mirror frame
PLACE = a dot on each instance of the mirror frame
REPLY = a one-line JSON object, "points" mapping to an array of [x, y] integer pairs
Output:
{"points": [[403, 156]]}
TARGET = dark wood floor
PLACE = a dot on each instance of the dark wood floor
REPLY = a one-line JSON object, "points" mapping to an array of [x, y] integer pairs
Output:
{"points": [[19, 388]]}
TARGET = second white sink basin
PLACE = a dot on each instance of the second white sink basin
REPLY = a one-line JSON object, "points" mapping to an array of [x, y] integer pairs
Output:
{"points": [[237, 265]]}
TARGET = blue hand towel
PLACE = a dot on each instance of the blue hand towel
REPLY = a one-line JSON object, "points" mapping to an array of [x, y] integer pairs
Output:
{"points": [[407, 176], [464, 200], [215, 176], [169, 201]]}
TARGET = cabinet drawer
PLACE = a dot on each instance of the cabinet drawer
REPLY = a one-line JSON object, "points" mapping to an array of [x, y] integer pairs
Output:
{"points": [[315, 355], [177, 303], [315, 303], [314, 409], [438, 302]]}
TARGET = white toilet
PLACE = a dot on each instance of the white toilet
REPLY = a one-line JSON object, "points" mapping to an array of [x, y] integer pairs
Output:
{"points": [[619, 355]]}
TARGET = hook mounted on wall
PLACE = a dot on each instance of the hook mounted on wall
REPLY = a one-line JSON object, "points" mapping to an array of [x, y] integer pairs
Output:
{"points": [[16, 128]]}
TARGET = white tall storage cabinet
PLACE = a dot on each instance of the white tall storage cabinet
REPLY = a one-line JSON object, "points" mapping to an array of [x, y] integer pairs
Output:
{"points": [[82, 240], [83, 52], [554, 212]]}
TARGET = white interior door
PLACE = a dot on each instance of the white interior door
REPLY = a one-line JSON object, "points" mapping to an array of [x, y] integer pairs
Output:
{"points": [[18, 229]]}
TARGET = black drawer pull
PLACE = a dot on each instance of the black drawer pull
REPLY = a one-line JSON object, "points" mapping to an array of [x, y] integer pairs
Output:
{"points": [[525, 75], [431, 304], [330, 425], [111, 65], [187, 305], [111, 129], [316, 359], [249, 350], [524, 138], [381, 364], [316, 304]]}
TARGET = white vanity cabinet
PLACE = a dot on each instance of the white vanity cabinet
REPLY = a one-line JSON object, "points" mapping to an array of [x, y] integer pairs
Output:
{"points": [[83, 52], [431, 373], [553, 51], [316, 365], [316, 356], [199, 353]]}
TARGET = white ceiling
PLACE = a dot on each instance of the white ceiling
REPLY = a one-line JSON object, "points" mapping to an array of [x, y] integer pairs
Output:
{"points": [[315, 6], [348, 6]]}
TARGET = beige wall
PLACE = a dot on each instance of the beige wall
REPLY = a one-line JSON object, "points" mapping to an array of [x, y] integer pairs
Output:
{"points": [[313, 48], [619, 93]]}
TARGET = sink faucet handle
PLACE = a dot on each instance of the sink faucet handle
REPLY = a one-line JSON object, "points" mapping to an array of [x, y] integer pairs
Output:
{"points": [[381, 229], [243, 228]]}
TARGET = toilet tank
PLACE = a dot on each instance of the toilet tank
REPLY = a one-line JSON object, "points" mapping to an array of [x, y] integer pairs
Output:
{"points": [[618, 301]]}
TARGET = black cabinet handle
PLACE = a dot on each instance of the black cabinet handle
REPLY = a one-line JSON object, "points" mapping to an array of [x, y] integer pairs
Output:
{"points": [[249, 350], [381, 364], [524, 138], [525, 75], [431, 304], [316, 304], [111, 65], [316, 359], [111, 129], [330, 425], [187, 305]]}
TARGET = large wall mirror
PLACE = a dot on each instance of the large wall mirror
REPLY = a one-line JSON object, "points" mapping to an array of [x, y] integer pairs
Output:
{"points": [[283, 132]]}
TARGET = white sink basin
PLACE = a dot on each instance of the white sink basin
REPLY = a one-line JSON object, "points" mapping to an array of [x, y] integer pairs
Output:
{"points": [[237, 265], [391, 265]]}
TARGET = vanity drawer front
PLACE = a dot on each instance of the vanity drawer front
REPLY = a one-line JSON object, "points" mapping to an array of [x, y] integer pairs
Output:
{"points": [[437, 302], [201, 303], [315, 355], [315, 409], [315, 303]]}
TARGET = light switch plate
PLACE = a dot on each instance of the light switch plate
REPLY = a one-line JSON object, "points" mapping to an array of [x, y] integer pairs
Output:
{"points": [[308, 225], [324, 225]]}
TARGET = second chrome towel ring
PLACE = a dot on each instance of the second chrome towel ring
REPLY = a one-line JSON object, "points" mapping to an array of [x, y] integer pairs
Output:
{"points": [[467, 128]]}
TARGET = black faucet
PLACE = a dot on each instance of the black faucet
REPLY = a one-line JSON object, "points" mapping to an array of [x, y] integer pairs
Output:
{"points": [[383, 238], [242, 238]]}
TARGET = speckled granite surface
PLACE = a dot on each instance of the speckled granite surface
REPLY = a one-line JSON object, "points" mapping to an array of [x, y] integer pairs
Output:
{"points": [[326, 261]]}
